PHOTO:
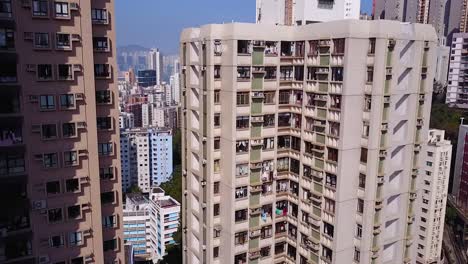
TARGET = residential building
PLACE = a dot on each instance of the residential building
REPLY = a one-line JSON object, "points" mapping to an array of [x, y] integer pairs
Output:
{"points": [[146, 78], [435, 174], [154, 63], [126, 120], [59, 172], [146, 155], [136, 224], [130, 76], [165, 220], [457, 88], [460, 175], [303, 144], [302, 12]]}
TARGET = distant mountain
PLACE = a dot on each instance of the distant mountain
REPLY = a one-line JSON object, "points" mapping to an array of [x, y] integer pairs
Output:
{"points": [[132, 48]]}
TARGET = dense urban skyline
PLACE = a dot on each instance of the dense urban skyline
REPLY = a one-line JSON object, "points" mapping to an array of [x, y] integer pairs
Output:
{"points": [[166, 19]]}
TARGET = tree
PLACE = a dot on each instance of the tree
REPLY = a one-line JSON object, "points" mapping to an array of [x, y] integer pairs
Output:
{"points": [[173, 187], [134, 189]]}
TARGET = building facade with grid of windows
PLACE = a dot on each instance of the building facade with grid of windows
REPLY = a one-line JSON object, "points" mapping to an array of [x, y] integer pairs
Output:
{"points": [[302, 144], [59, 162]]}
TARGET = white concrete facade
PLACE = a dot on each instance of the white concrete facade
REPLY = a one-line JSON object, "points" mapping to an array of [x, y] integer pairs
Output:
{"points": [[274, 12], [302, 144], [457, 89], [435, 173]]}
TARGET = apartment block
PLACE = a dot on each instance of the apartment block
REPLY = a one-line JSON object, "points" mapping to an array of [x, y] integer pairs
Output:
{"points": [[59, 168], [460, 175], [302, 12], [303, 144], [165, 214], [146, 155], [136, 225], [435, 174], [457, 88]]}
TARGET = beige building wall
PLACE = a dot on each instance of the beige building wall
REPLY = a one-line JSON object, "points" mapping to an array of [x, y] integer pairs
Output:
{"points": [[361, 115], [66, 113]]}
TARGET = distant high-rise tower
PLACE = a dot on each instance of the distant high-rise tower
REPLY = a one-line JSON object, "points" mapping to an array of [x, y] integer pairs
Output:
{"points": [[304, 144], [60, 184], [154, 63], [302, 12]]}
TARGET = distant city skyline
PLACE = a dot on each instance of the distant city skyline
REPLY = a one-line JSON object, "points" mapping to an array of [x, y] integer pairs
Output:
{"points": [[159, 24]]}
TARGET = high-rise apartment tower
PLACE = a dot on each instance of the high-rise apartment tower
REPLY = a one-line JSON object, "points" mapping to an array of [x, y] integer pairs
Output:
{"points": [[300, 145], [59, 162]]}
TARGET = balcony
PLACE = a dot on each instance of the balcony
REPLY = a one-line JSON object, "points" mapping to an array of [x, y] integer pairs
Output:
{"points": [[8, 74], [17, 250], [10, 132]]}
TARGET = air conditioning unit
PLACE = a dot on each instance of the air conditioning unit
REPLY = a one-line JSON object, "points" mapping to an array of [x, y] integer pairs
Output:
{"points": [[384, 127], [184, 172], [204, 139], [26, 3], [204, 247], [77, 67], [204, 162], [43, 259], [203, 68], [33, 98], [203, 183], [387, 99], [203, 205], [28, 36], [39, 204], [389, 71], [422, 97], [36, 128], [79, 96], [383, 153], [88, 231], [75, 37], [185, 192], [74, 6], [391, 43], [30, 67], [88, 258]]}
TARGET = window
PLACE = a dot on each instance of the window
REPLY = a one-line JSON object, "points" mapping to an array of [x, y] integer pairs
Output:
{"points": [[329, 205], [105, 149], [68, 130], [65, 72], [109, 221], [61, 9], [240, 238], [244, 47], [240, 215], [78, 260], [269, 97], [216, 165], [99, 16], [7, 37], [110, 244], [62, 41], [44, 72], [106, 173], [430, 154], [267, 231], [241, 192], [53, 187], [370, 74], [216, 96], [72, 185], [328, 229], [360, 206], [70, 158], [216, 209], [40, 7], [74, 212], [217, 71], [365, 130], [41, 40], [242, 122], [56, 241], [50, 160], [216, 233], [242, 146], [55, 215], [49, 131], [75, 238], [217, 119], [359, 231], [243, 98], [270, 73], [428, 163], [357, 254], [67, 101], [330, 180], [216, 187], [337, 74], [371, 49], [5, 8], [215, 252], [269, 120], [100, 43], [102, 70], [242, 170], [107, 197], [216, 143], [362, 181], [367, 103], [363, 155], [47, 102], [268, 143], [243, 72], [104, 123], [103, 97]]}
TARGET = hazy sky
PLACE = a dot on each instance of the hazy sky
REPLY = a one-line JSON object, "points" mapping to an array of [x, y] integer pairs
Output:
{"points": [[157, 23]]}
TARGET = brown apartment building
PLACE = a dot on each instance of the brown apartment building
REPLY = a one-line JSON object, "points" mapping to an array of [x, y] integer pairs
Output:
{"points": [[59, 163]]}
